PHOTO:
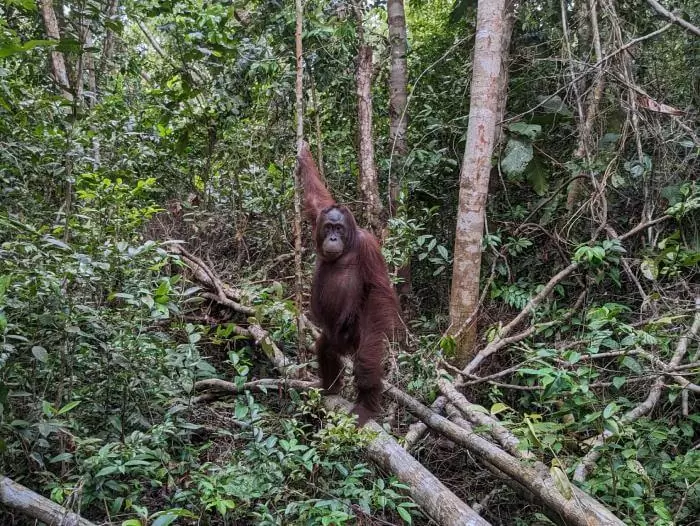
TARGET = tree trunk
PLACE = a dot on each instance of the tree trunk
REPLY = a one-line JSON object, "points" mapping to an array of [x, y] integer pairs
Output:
{"points": [[398, 81], [108, 45], [297, 179], [369, 188], [58, 61], [474, 176]]}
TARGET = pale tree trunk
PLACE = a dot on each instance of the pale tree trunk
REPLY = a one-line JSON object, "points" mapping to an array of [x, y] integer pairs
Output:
{"points": [[369, 188], [398, 81], [589, 35], [59, 71], [297, 179], [474, 175]]}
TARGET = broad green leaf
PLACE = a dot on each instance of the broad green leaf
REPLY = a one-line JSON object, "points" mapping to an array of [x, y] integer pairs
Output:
{"points": [[107, 471], [61, 458], [29, 5], [632, 364], [405, 515], [619, 381], [610, 410], [531, 131], [10, 48], [498, 408], [537, 175], [561, 481], [40, 353], [516, 157]]}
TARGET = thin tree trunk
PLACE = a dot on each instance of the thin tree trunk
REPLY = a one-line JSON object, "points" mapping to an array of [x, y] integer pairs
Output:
{"points": [[589, 112], [398, 99], [297, 178], [398, 80], [108, 45], [317, 122], [369, 188], [58, 61], [508, 23], [474, 176]]}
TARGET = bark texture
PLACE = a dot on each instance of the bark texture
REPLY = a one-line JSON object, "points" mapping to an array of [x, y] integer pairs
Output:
{"points": [[297, 176], [398, 118], [31, 504], [59, 71], [369, 189], [474, 175]]}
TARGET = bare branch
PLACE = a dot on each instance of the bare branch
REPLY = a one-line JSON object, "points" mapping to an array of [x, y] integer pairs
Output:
{"points": [[673, 18]]}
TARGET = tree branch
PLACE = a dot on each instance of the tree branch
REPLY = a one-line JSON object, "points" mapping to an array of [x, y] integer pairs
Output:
{"points": [[673, 18]]}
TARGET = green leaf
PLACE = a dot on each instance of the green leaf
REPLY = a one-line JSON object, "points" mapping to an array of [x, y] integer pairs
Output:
{"points": [[531, 131], [619, 381], [29, 5], [56, 242], [10, 48], [40, 353], [610, 410], [107, 471], [553, 104], [537, 175], [241, 411], [68, 407], [498, 408], [516, 157], [561, 481], [132, 522], [632, 364], [405, 515], [61, 458]]}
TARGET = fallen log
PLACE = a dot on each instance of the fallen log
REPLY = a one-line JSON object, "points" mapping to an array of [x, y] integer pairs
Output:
{"points": [[30, 503], [569, 509]]}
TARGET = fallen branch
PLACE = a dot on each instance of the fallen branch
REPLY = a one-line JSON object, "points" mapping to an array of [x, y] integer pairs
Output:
{"points": [[589, 460], [30, 503], [591, 505], [570, 509]]}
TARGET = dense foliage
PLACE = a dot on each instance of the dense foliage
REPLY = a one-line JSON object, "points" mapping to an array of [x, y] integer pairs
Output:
{"points": [[187, 134]]}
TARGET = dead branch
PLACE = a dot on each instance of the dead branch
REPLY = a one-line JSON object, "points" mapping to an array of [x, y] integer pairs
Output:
{"points": [[592, 506], [476, 416], [570, 509], [589, 460], [30, 503], [673, 18]]}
